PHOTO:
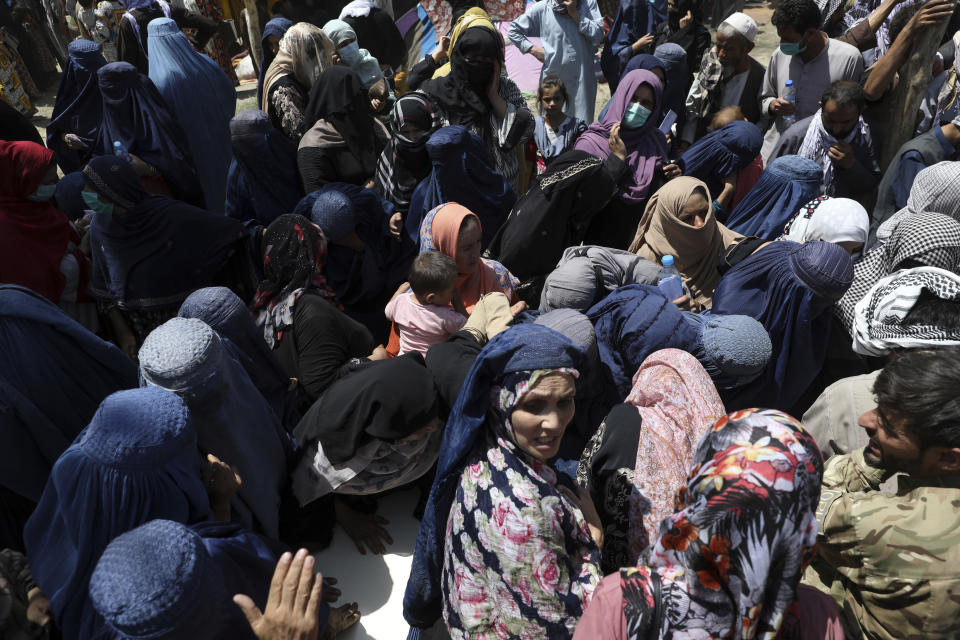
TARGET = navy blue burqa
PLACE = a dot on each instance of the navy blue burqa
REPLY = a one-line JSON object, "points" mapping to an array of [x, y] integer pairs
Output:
{"points": [[135, 113], [78, 106], [719, 153], [788, 183]]}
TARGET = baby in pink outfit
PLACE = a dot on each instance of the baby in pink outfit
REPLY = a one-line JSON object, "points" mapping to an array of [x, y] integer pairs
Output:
{"points": [[423, 315]]}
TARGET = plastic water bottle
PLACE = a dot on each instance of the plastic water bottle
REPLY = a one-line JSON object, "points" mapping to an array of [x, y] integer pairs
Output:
{"points": [[669, 281], [120, 151], [790, 94]]}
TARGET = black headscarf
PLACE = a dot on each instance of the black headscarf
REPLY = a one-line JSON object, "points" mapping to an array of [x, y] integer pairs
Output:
{"points": [[339, 98], [386, 400], [463, 93]]}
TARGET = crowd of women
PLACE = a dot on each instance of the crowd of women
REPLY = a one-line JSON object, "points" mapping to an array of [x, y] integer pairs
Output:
{"points": [[225, 333]]}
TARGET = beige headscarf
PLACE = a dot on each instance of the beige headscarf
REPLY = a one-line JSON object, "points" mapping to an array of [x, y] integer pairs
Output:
{"points": [[695, 251], [305, 51]]}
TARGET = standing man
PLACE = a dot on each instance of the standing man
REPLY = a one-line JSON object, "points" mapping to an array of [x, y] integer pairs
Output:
{"points": [[571, 31]]}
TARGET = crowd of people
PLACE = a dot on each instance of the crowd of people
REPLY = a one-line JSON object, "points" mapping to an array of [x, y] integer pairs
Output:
{"points": [[681, 365]]}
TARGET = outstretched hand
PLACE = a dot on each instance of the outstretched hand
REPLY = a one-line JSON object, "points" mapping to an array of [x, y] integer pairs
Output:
{"points": [[293, 602]]}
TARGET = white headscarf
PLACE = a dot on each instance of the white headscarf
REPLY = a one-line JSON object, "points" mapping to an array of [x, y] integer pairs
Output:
{"points": [[829, 219]]}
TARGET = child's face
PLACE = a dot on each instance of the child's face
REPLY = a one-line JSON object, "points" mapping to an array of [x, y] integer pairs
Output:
{"points": [[552, 100], [445, 297]]}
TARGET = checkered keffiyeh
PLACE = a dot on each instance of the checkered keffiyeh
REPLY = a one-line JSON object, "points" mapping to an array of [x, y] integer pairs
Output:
{"points": [[879, 314]]}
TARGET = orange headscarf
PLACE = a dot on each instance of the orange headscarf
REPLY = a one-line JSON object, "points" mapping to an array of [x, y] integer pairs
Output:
{"points": [[440, 231]]}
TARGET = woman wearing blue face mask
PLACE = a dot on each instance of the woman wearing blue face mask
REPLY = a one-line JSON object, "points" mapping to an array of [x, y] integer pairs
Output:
{"points": [[349, 54], [37, 243]]}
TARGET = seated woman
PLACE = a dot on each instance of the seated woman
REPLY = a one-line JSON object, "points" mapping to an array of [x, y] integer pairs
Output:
{"points": [[38, 245], [586, 274], [679, 221], [784, 186], [53, 376], [724, 564], [639, 457], [234, 422], [839, 220], [305, 51], [137, 460], [456, 231], [791, 290], [645, 62], [347, 52], [405, 162], [135, 115], [631, 121], [275, 28], [372, 431], [506, 548], [75, 121], [263, 181], [344, 139], [314, 341], [135, 235], [224, 312], [477, 95], [461, 174], [717, 159]]}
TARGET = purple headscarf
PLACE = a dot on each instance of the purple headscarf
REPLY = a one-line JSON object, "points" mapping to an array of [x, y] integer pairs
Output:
{"points": [[646, 146]]}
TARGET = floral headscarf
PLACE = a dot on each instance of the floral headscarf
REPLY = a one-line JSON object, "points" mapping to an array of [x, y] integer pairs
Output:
{"points": [[505, 397], [294, 251], [728, 562]]}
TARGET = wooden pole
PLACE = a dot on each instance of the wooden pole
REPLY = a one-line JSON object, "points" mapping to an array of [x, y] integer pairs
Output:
{"points": [[914, 80], [253, 32]]}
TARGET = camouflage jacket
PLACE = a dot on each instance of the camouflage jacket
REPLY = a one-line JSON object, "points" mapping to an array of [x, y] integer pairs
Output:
{"points": [[892, 562]]}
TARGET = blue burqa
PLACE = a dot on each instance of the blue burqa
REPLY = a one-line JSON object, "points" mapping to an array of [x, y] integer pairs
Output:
{"points": [[786, 185], [201, 98], [78, 105], [276, 26], [719, 153]]}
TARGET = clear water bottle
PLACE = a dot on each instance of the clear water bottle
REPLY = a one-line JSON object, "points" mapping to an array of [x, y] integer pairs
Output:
{"points": [[120, 151], [669, 281], [790, 93]]}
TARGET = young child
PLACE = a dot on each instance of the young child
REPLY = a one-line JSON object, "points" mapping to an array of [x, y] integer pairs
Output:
{"points": [[555, 131], [424, 316]]}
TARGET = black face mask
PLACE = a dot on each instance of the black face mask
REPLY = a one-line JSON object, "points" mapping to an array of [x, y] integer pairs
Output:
{"points": [[673, 17], [477, 74]]}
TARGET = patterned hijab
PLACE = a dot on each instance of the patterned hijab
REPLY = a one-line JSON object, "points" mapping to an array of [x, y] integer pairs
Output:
{"points": [[405, 162], [728, 562], [678, 404], [922, 239], [293, 256], [936, 189]]}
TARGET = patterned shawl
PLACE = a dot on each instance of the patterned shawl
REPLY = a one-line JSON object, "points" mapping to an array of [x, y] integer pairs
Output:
{"points": [[936, 189], [728, 562], [678, 404], [817, 142]]}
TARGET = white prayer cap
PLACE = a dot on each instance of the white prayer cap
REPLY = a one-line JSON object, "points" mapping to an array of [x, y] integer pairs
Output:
{"points": [[744, 24]]}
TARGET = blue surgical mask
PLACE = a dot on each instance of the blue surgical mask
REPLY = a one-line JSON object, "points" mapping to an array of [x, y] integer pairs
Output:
{"points": [[94, 204], [43, 193], [636, 116], [350, 54], [792, 48]]}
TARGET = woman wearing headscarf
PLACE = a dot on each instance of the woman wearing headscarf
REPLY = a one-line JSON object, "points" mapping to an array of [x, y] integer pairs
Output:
{"points": [[372, 431], [263, 181], [679, 221], [151, 252], [784, 186], [37, 243], [177, 70], [53, 376], [839, 220], [376, 29], [304, 52], [505, 547], [344, 139], [922, 239], [313, 340], [462, 174], [437, 65], [234, 421], [633, 116], [644, 62], [224, 312], [791, 290], [347, 52], [718, 157], [630, 34], [586, 274], [405, 161], [273, 31], [136, 461], [137, 116], [477, 95], [684, 29], [74, 124], [640, 455], [456, 231], [723, 564]]}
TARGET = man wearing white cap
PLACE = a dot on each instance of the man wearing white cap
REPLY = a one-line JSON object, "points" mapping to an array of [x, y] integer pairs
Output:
{"points": [[728, 77]]}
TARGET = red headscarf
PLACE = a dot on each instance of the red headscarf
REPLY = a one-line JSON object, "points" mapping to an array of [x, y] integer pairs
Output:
{"points": [[33, 235]]}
